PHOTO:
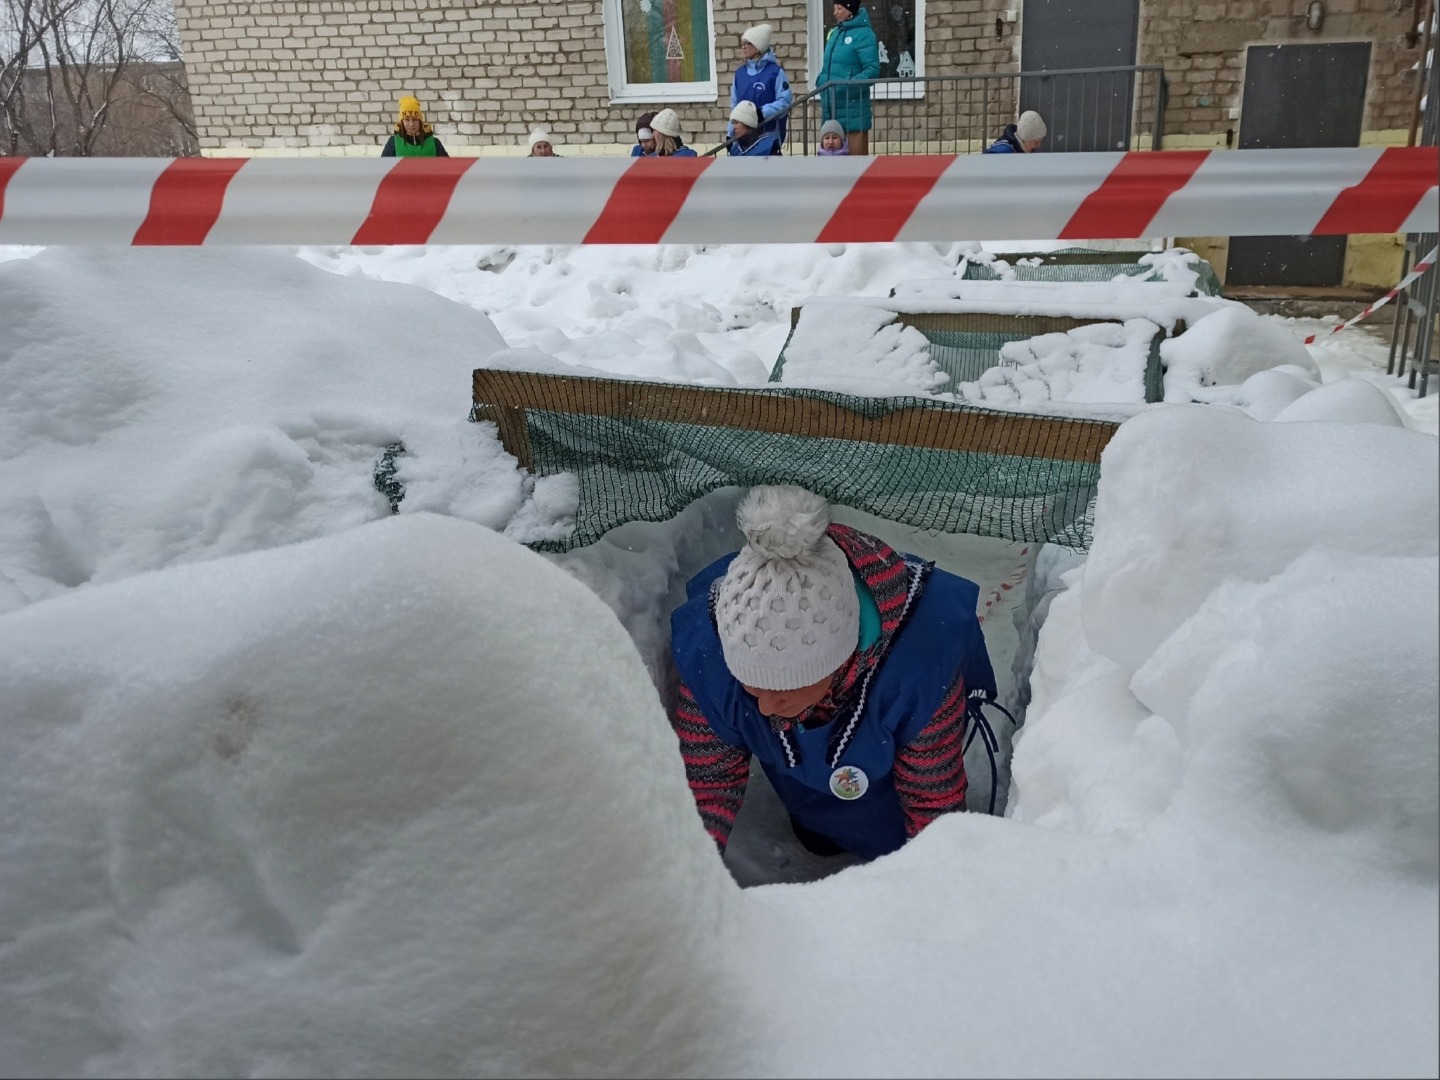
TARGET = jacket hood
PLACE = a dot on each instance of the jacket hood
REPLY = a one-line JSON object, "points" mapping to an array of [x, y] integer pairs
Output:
{"points": [[757, 64]]}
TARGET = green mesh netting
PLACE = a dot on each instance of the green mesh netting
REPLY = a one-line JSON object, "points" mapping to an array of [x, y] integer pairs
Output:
{"points": [[965, 345], [644, 451], [966, 355], [1079, 264]]}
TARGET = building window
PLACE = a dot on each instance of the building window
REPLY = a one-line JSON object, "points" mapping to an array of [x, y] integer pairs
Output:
{"points": [[660, 50], [899, 27]]}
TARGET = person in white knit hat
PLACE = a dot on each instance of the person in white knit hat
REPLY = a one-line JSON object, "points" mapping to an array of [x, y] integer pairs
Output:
{"points": [[761, 80], [1022, 137], [748, 140], [541, 144], [848, 670], [669, 135]]}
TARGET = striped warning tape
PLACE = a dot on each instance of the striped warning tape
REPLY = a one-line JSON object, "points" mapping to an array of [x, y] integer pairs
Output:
{"points": [[1012, 581], [293, 201], [1420, 267]]}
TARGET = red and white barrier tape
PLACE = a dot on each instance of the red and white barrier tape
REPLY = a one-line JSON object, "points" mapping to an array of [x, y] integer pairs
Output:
{"points": [[290, 201], [1012, 581], [1420, 268]]}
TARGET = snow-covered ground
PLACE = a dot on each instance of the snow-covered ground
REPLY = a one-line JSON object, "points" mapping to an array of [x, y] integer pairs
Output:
{"points": [[292, 786]]}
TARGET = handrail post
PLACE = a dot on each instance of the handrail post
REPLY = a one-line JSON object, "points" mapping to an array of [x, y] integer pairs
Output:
{"points": [[1162, 99]]}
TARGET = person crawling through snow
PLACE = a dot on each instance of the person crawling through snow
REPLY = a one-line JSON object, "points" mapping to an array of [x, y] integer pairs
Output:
{"points": [[843, 666]]}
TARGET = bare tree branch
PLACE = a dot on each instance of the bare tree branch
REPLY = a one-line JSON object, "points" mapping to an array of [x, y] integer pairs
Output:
{"points": [[86, 77]]}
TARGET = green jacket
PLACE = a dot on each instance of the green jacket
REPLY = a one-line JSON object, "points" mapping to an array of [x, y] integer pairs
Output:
{"points": [[851, 52], [425, 145]]}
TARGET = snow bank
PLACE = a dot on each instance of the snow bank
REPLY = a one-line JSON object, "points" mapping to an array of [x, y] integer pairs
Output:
{"points": [[1226, 347], [1352, 400], [1160, 548], [859, 349], [327, 810], [166, 406], [1103, 363], [1238, 624]]}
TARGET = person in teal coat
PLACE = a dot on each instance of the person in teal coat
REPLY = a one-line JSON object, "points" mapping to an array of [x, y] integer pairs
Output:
{"points": [[851, 52]]}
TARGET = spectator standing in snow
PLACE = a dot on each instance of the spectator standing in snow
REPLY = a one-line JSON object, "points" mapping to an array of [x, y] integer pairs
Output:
{"points": [[412, 137], [851, 52], [669, 137], [845, 667], [832, 140], [760, 79], [644, 137], [748, 140], [541, 145], [1022, 137]]}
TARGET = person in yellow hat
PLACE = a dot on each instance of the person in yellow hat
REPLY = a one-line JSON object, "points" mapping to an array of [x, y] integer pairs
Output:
{"points": [[413, 137]]}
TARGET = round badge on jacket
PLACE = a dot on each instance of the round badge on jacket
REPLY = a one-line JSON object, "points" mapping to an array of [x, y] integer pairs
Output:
{"points": [[847, 782]]}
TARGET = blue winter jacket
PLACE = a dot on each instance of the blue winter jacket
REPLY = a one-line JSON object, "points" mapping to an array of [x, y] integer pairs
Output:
{"points": [[763, 81], [851, 52], [1008, 143], [763, 146], [940, 637]]}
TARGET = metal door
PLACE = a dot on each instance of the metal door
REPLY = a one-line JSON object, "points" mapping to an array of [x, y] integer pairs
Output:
{"points": [[1298, 95], [1082, 112]]}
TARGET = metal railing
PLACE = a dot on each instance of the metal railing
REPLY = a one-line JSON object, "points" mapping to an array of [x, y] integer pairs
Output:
{"points": [[1418, 311], [1110, 108]]}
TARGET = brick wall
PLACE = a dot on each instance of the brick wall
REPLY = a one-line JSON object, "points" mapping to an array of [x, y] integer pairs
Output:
{"points": [[323, 76], [1202, 47]]}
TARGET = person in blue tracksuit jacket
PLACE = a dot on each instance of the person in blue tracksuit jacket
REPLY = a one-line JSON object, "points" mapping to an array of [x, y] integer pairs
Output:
{"points": [[844, 667], [761, 79], [749, 139], [1023, 137]]}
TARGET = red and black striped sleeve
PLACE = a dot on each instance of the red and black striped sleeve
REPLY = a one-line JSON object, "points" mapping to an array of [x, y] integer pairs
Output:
{"points": [[930, 769], [716, 771]]}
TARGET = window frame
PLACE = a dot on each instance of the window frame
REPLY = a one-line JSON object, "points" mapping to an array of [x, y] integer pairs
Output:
{"points": [[622, 91], [815, 35]]}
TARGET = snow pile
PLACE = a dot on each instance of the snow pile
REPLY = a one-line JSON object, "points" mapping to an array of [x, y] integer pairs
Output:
{"points": [[202, 403], [646, 310], [1226, 347], [394, 795], [859, 349], [1354, 400], [1178, 266], [1267, 393], [1099, 363], [325, 810], [1240, 621]]}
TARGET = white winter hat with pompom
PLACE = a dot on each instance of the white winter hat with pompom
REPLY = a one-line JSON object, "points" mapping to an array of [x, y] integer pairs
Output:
{"points": [[759, 36], [786, 610]]}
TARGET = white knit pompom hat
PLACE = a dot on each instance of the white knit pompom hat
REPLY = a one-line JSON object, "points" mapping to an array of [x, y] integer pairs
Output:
{"points": [[667, 123], [786, 609], [759, 36], [1030, 126]]}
